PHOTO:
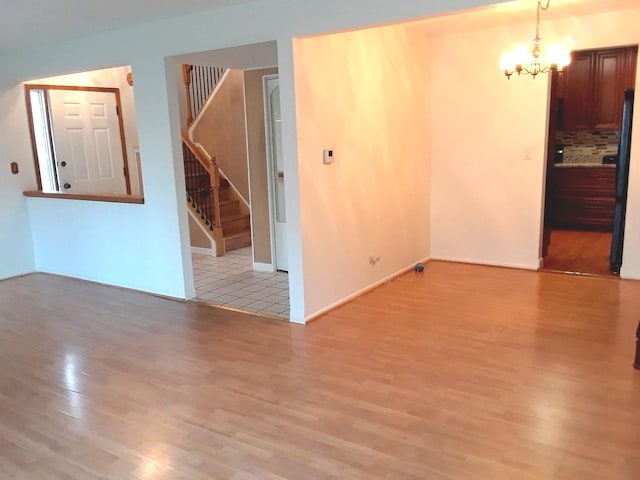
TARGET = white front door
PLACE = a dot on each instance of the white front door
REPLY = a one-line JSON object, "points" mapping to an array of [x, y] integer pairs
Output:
{"points": [[274, 143], [86, 134]]}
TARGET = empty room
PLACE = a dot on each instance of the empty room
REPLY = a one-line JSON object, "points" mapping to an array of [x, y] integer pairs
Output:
{"points": [[421, 336]]}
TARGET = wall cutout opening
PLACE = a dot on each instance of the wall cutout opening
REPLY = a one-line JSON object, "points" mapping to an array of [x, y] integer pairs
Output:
{"points": [[84, 134]]}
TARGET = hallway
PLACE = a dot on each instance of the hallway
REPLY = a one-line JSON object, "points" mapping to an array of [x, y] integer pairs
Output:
{"points": [[230, 281]]}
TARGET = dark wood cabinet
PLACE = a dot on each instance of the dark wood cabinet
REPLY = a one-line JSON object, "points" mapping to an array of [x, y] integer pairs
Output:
{"points": [[576, 92], [593, 85], [584, 197]]}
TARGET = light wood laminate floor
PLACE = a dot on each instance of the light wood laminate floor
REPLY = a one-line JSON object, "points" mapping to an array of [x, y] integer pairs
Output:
{"points": [[461, 372]]}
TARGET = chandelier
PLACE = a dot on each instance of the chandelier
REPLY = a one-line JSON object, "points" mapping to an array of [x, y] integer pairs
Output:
{"points": [[521, 61]]}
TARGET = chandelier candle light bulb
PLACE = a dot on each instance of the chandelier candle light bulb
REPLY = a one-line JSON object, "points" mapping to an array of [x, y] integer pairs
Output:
{"points": [[532, 62]]}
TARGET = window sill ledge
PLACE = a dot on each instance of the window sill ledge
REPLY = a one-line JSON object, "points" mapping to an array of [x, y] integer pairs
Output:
{"points": [[114, 198]]}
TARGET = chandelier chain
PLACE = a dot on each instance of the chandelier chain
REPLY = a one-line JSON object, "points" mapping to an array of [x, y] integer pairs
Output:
{"points": [[540, 9], [553, 58]]}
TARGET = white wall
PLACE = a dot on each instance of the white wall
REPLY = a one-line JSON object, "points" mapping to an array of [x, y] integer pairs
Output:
{"points": [[487, 199], [364, 94], [127, 245], [485, 195], [16, 247], [112, 78], [148, 245]]}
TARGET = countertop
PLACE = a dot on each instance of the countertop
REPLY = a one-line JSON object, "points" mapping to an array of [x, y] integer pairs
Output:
{"points": [[585, 165]]}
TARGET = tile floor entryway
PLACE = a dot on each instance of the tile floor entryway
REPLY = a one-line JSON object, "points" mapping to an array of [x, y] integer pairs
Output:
{"points": [[230, 281]]}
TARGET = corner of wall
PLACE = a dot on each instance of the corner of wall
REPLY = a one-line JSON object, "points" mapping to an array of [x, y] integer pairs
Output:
{"points": [[16, 234]]}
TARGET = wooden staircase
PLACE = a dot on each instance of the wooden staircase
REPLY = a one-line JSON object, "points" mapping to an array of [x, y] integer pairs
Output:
{"points": [[217, 206], [236, 224]]}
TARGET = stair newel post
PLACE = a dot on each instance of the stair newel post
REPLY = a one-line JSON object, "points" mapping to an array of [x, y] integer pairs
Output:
{"points": [[636, 363], [186, 78], [217, 220], [215, 187]]}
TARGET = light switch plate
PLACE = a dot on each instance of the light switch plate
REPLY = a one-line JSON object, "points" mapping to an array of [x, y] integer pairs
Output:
{"points": [[328, 156]]}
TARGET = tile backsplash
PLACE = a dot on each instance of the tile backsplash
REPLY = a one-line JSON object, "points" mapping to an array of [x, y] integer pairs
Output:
{"points": [[586, 146]]}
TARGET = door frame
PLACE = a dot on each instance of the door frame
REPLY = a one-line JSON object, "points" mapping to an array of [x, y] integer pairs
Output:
{"points": [[547, 196], [270, 168], [548, 202], [45, 87]]}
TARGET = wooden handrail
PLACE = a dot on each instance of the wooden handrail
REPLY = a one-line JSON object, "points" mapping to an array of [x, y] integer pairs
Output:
{"points": [[197, 151], [210, 166]]}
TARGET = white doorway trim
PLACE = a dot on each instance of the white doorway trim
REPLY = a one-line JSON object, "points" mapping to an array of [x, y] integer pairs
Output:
{"points": [[271, 179]]}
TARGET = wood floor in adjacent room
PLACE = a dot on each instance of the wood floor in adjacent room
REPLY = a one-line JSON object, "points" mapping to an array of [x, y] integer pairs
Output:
{"points": [[461, 372], [578, 251]]}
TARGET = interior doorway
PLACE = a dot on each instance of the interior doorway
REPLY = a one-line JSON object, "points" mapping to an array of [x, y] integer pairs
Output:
{"points": [[590, 111], [231, 131]]}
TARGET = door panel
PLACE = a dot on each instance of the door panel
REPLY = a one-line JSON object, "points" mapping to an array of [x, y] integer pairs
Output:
{"points": [[86, 132], [104, 155], [76, 155], [274, 128]]}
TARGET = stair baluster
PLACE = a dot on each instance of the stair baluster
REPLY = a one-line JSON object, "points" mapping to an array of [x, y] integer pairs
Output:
{"points": [[199, 81]]}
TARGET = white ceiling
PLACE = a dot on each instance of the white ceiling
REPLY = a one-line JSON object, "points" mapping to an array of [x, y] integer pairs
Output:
{"points": [[29, 22], [243, 57], [519, 11], [25, 23]]}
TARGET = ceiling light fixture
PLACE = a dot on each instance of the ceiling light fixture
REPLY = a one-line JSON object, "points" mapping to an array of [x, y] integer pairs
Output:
{"points": [[521, 61]]}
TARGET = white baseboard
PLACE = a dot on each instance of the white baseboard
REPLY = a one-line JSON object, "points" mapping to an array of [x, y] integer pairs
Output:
{"points": [[263, 267], [521, 266], [19, 274], [625, 276], [362, 291], [204, 251], [111, 285]]}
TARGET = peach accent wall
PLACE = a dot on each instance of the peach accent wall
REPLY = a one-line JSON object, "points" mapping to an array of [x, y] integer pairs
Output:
{"points": [[364, 94], [256, 148], [487, 194], [221, 131]]}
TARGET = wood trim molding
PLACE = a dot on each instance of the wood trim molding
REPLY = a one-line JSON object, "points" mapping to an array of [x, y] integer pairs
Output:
{"points": [[123, 142], [116, 91], [636, 362], [43, 86], [114, 198]]}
